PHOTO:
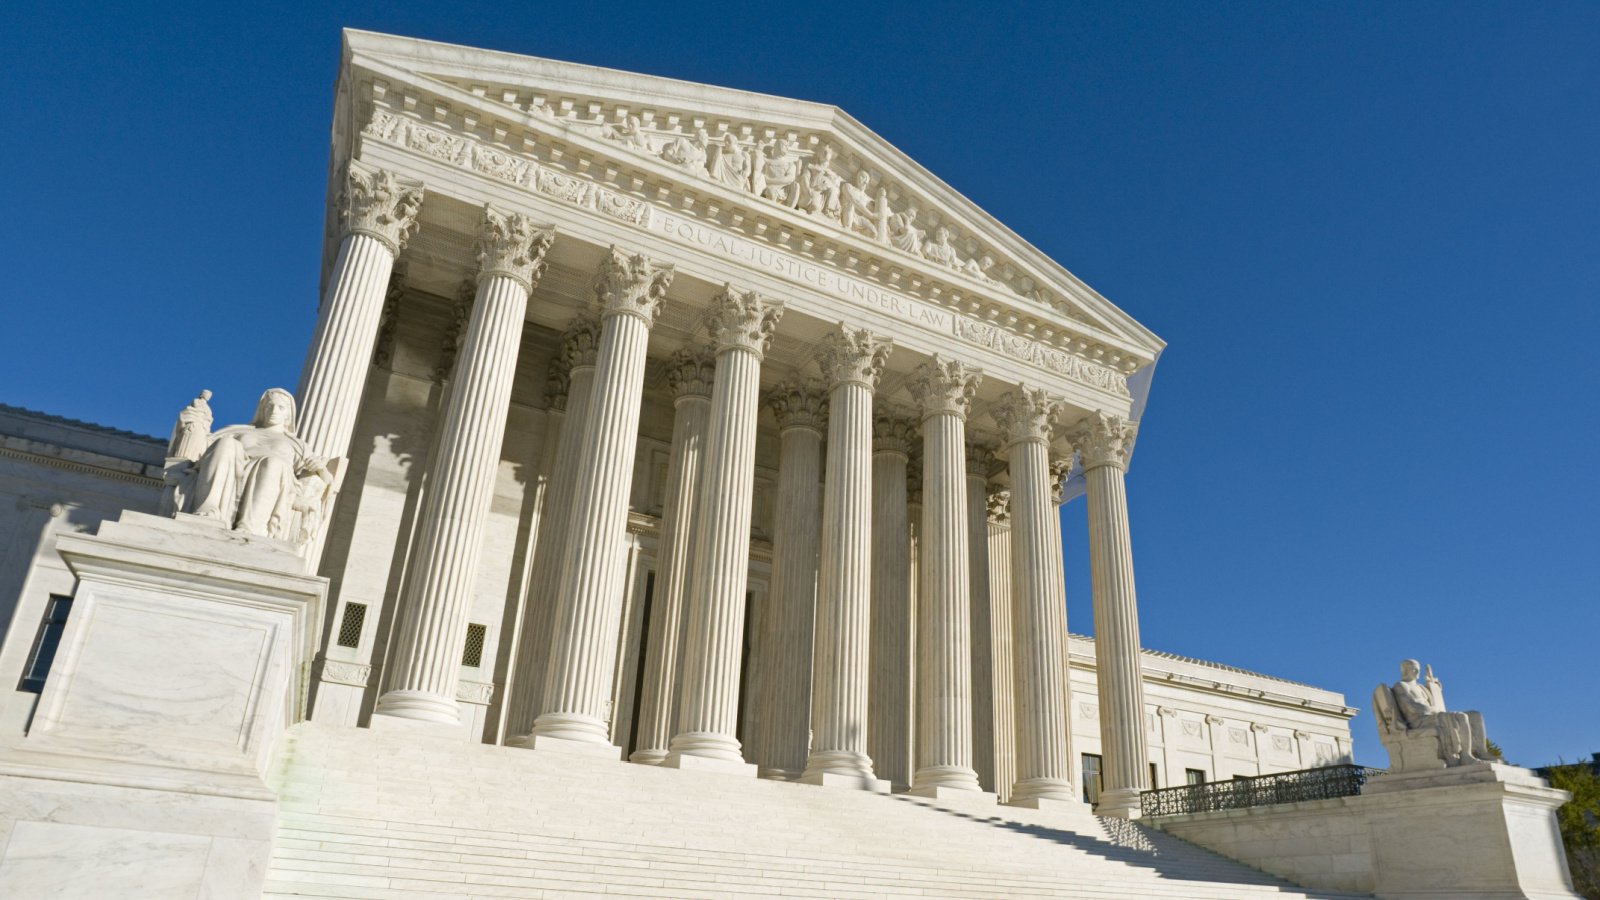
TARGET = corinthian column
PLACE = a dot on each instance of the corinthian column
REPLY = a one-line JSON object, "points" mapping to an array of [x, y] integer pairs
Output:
{"points": [[943, 390], [438, 589], [783, 648], [1000, 613], [889, 705], [1039, 636], [851, 361], [577, 687], [1103, 442], [579, 347], [377, 212], [980, 460], [741, 325], [690, 375]]}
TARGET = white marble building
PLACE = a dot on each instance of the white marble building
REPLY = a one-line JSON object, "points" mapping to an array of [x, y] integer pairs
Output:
{"points": [[707, 380]]}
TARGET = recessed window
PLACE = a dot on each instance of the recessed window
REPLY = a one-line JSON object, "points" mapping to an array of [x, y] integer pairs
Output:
{"points": [[355, 615], [472, 656], [1154, 781], [1194, 776], [1091, 778], [45, 644]]}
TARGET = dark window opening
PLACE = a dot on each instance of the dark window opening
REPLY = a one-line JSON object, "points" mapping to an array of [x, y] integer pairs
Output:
{"points": [[1194, 776], [45, 644], [1091, 778]]}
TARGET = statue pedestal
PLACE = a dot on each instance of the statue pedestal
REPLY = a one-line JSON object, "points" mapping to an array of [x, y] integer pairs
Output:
{"points": [[185, 656], [1484, 831]]}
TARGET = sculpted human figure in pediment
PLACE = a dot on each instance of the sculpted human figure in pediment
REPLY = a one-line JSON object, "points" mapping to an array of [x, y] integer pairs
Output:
{"points": [[858, 212], [688, 152], [730, 164], [822, 185], [777, 173], [903, 231], [940, 250]]}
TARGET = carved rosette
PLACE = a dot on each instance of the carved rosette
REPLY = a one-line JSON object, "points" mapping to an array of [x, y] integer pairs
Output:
{"points": [[894, 434], [980, 459], [853, 356], [1026, 414], [1103, 440], [944, 386], [743, 320], [380, 204], [999, 505], [690, 373], [631, 285], [509, 244], [797, 405]]}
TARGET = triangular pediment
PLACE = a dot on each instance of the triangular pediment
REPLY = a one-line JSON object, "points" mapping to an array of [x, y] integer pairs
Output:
{"points": [[795, 161]]}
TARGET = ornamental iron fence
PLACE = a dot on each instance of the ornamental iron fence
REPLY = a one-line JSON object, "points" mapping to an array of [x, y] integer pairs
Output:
{"points": [[1323, 783]]}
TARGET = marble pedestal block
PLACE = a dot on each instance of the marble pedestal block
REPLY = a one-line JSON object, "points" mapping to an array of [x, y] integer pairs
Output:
{"points": [[184, 659], [1482, 832]]}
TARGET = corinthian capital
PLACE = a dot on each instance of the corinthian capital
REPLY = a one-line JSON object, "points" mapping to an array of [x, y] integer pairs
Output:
{"points": [[798, 406], [980, 459], [944, 386], [743, 320], [1026, 414], [580, 343], [510, 244], [1060, 468], [1103, 440], [893, 434], [690, 373], [379, 203], [631, 285], [999, 505], [853, 356]]}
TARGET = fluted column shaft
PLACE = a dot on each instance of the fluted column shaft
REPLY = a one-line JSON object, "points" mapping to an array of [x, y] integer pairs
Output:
{"points": [[741, 324], [983, 673], [438, 589], [783, 649], [889, 705], [851, 360], [578, 677], [691, 378], [1103, 443], [378, 212], [1039, 625], [944, 389], [579, 349]]}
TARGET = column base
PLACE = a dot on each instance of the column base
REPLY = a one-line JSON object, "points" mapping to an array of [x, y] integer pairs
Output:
{"points": [[1122, 803], [773, 774], [575, 727], [956, 778], [846, 782], [565, 745], [692, 763], [1056, 790], [418, 706], [648, 757], [961, 798]]}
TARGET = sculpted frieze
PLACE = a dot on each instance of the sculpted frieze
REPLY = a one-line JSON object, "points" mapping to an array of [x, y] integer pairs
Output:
{"points": [[785, 177]]}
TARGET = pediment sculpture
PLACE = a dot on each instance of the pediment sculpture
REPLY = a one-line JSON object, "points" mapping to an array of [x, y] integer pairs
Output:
{"points": [[257, 479], [1419, 731]]}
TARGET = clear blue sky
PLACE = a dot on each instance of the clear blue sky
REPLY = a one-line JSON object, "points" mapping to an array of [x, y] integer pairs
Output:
{"points": [[1370, 234]]}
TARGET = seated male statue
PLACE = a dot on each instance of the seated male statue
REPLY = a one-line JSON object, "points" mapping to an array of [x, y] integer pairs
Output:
{"points": [[1420, 705]]}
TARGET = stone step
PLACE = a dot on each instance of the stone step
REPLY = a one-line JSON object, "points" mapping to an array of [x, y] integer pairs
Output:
{"points": [[390, 814]]}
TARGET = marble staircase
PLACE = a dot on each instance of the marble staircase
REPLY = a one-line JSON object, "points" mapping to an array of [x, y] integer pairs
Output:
{"points": [[384, 814]]}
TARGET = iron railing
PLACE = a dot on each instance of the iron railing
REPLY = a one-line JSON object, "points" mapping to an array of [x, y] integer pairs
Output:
{"points": [[1322, 783]]}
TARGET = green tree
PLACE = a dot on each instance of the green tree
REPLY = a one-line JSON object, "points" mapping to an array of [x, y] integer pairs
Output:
{"points": [[1580, 825]]}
